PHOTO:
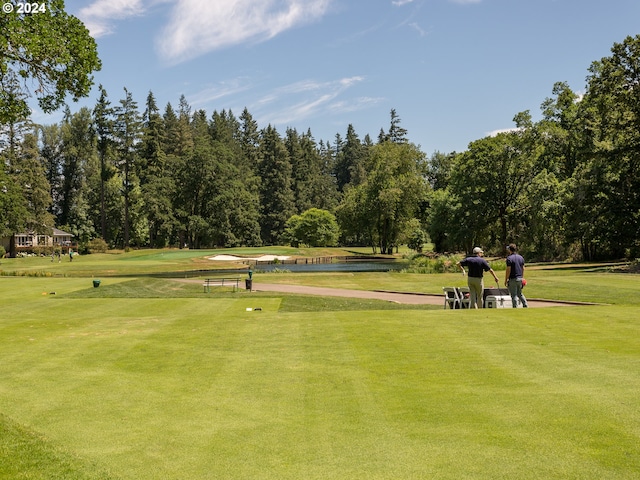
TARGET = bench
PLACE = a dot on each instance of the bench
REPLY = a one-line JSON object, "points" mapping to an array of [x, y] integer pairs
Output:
{"points": [[221, 282]]}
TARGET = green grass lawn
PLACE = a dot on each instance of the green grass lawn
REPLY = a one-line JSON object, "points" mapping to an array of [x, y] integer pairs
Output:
{"points": [[145, 378]]}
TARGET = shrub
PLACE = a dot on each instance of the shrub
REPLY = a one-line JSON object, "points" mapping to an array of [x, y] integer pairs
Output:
{"points": [[416, 237], [97, 245], [434, 264], [279, 270]]}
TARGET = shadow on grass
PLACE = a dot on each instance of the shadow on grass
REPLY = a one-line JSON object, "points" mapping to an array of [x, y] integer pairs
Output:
{"points": [[27, 454], [607, 267]]}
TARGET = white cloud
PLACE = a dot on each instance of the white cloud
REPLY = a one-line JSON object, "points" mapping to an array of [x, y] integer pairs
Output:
{"points": [[220, 90], [401, 3], [418, 29], [286, 105], [200, 26], [309, 98], [98, 17], [355, 104]]}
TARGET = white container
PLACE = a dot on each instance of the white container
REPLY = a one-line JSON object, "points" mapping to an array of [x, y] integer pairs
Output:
{"points": [[500, 301]]}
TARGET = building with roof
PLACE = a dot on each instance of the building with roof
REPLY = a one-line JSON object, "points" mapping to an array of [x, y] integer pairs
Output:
{"points": [[29, 240]]}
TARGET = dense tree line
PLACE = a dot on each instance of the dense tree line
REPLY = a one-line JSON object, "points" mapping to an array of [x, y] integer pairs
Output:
{"points": [[565, 186], [174, 178]]}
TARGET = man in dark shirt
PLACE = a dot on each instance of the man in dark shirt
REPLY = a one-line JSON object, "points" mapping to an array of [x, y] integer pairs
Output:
{"points": [[514, 275], [477, 266]]}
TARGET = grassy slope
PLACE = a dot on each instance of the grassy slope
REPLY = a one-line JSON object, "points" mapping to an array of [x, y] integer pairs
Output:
{"points": [[149, 386]]}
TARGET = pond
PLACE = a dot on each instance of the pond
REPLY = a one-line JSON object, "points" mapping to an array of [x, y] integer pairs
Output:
{"points": [[364, 265], [326, 264], [351, 266]]}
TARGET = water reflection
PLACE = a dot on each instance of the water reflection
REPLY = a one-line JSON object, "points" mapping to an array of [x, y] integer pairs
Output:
{"points": [[340, 266], [359, 266]]}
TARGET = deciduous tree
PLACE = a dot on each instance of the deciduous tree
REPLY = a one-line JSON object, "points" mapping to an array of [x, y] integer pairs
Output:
{"points": [[389, 197], [606, 193], [314, 227], [50, 49], [490, 181]]}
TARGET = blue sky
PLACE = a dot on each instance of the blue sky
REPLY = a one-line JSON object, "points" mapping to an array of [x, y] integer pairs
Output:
{"points": [[454, 70]]}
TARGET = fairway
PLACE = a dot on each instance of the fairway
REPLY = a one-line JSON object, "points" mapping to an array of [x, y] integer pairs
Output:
{"points": [[153, 379]]}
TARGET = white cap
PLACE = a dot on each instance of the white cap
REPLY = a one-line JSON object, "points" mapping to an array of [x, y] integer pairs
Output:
{"points": [[477, 250]]}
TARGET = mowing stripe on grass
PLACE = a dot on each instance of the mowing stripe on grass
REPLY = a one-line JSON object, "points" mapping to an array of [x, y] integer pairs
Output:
{"points": [[163, 388]]}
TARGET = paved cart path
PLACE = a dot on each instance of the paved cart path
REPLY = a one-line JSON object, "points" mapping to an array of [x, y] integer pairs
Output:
{"points": [[409, 298], [398, 297]]}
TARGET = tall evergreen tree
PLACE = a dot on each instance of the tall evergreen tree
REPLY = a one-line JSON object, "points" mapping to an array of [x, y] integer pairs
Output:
{"points": [[235, 202], [30, 174], [397, 134], [225, 127], [178, 148], [276, 195], [249, 137], [171, 145], [13, 206], [51, 153], [323, 190], [103, 125], [151, 150], [196, 184], [350, 160], [184, 139], [127, 131], [78, 163], [313, 185], [250, 141], [157, 180], [299, 171]]}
